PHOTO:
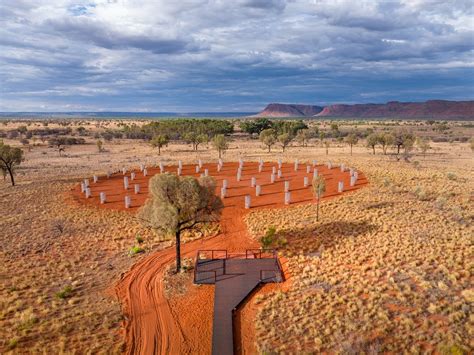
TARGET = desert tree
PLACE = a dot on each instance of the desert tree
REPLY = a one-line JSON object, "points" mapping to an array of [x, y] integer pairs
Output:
{"points": [[10, 158], [302, 137], [352, 140], [401, 137], [195, 139], [408, 145], [220, 144], [327, 144], [159, 141], [423, 144], [284, 139], [178, 203], [322, 135], [99, 145], [386, 140], [268, 137], [319, 188], [372, 141]]}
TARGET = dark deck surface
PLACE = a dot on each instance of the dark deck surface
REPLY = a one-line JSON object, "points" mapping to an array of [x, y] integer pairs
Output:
{"points": [[235, 279]]}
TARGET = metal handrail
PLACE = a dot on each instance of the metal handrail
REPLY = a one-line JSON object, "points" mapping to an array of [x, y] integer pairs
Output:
{"points": [[212, 252], [260, 251]]}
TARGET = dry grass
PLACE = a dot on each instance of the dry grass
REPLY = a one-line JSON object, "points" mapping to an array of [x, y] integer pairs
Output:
{"points": [[388, 268]]}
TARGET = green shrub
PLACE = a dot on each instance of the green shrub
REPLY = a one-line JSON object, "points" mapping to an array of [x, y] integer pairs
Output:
{"points": [[65, 292], [136, 250], [139, 239], [451, 176], [267, 240], [12, 343]]}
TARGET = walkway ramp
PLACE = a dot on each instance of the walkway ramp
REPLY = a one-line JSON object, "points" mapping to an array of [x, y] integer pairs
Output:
{"points": [[235, 277]]}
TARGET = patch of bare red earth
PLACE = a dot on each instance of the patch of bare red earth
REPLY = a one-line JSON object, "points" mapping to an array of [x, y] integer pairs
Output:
{"points": [[183, 325]]}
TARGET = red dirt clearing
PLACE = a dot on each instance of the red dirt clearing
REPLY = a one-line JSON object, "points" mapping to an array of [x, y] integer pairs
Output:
{"points": [[154, 324], [272, 195]]}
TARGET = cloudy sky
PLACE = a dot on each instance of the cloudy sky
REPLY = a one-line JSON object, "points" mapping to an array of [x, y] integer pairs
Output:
{"points": [[231, 55]]}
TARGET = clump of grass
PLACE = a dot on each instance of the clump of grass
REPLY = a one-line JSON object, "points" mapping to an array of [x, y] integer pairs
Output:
{"points": [[267, 240], [12, 343], [66, 292], [451, 176], [139, 239], [136, 250], [441, 202]]}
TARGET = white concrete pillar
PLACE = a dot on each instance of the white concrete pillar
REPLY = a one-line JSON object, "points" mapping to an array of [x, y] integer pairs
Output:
{"points": [[260, 167], [274, 170], [314, 163], [356, 175], [137, 189], [247, 201], [145, 172], [305, 181], [200, 163], [258, 190], [206, 172], [308, 169], [220, 162], [353, 181], [279, 163], [197, 169], [86, 182], [180, 164], [296, 164], [142, 167], [95, 178], [223, 192], [287, 186], [102, 198], [219, 167], [128, 201], [343, 168], [253, 182], [279, 174], [239, 175], [125, 182], [124, 171], [351, 172], [162, 168], [340, 186], [108, 174], [287, 198], [315, 173], [88, 192], [272, 178], [83, 187], [132, 176], [178, 171], [329, 165], [224, 183]]}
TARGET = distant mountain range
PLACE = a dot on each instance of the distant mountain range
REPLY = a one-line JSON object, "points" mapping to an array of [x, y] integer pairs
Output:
{"points": [[432, 109]]}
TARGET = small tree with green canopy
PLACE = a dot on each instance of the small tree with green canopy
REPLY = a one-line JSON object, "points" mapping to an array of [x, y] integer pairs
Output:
{"points": [[180, 203], [256, 126], [372, 141], [423, 144], [386, 140], [220, 144], [285, 139], [302, 136], [195, 139], [99, 145], [159, 141], [352, 140], [268, 137], [319, 188], [10, 158]]}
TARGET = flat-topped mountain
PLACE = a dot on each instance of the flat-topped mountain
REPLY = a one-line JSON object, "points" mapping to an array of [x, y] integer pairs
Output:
{"points": [[432, 109], [289, 110], [436, 109]]}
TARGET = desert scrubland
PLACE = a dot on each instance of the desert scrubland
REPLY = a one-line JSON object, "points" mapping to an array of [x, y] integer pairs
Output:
{"points": [[386, 268]]}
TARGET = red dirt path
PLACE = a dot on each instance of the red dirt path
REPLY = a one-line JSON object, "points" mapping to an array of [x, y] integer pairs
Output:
{"points": [[152, 324]]}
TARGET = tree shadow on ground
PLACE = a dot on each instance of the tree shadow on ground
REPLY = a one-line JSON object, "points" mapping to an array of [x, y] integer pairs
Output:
{"points": [[312, 240]]}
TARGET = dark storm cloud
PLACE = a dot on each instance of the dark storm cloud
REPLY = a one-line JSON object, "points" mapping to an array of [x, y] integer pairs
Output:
{"points": [[199, 55]]}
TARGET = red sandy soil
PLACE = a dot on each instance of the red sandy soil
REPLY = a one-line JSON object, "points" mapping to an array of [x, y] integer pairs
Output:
{"points": [[154, 324]]}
